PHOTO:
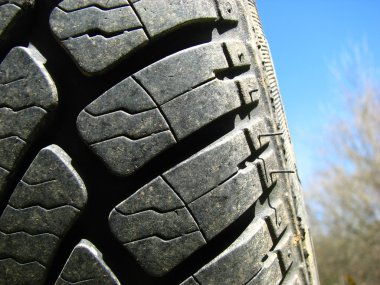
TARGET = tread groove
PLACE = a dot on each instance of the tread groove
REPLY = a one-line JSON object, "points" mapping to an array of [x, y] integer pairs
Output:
{"points": [[150, 209], [79, 90], [125, 136], [159, 107], [186, 206], [161, 238], [93, 5], [29, 234], [22, 263], [140, 20]]}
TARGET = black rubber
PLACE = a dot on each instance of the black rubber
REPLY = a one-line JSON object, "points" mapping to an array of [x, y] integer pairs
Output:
{"points": [[144, 142]]}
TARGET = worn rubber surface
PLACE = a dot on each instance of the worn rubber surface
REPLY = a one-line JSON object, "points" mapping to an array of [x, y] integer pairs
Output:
{"points": [[144, 142]]}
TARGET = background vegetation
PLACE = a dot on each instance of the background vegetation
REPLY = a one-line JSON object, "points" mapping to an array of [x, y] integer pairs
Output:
{"points": [[344, 197]]}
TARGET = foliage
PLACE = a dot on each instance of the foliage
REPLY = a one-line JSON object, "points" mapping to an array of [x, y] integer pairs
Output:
{"points": [[346, 202]]}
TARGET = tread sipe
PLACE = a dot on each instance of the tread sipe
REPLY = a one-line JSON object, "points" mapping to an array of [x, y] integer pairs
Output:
{"points": [[145, 142]]}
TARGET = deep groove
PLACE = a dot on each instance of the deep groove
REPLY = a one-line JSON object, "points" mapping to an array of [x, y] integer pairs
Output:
{"points": [[275, 239], [227, 55], [255, 153], [264, 258], [196, 280], [288, 273], [254, 275], [231, 72], [266, 190]]}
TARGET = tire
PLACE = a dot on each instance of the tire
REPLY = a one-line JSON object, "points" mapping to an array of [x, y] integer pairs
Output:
{"points": [[145, 142]]}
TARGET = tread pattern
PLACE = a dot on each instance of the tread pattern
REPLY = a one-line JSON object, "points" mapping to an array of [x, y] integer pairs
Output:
{"points": [[271, 84], [253, 258], [42, 208], [228, 268], [270, 273], [221, 203], [85, 266], [10, 11], [114, 29], [28, 96], [147, 113], [195, 210]]}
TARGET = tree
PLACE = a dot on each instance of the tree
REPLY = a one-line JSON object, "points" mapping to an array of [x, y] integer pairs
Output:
{"points": [[346, 193]]}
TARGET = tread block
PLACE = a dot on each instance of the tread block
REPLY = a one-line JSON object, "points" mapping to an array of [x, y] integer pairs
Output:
{"points": [[28, 96], [129, 228], [3, 177], [37, 220], [269, 274], [189, 281], [173, 13], [10, 11], [41, 210], [155, 219], [88, 52], [204, 171], [207, 103], [98, 34], [127, 96], [16, 144], [156, 195], [170, 252], [13, 272], [297, 278], [285, 251], [162, 104], [124, 156], [268, 165], [224, 204], [86, 266], [26, 248], [64, 25], [177, 74], [241, 260], [278, 219], [120, 123], [20, 123], [188, 205]]}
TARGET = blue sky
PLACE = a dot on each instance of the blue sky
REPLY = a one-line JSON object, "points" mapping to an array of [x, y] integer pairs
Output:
{"points": [[307, 38]]}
